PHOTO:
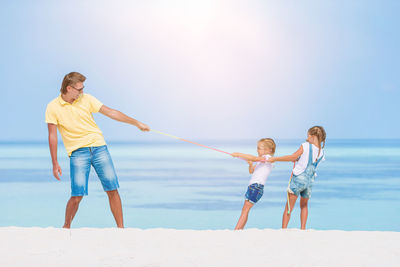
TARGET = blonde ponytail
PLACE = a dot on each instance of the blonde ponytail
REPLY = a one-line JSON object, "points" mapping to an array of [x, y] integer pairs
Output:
{"points": [[320, 133]]}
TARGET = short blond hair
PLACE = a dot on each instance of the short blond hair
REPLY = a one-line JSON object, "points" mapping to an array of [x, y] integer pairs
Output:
{"points": [[71, 79], [268, 142]]}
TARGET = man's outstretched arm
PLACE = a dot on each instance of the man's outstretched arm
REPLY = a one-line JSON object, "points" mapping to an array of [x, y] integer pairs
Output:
{"points": [[119, 116], [53, 149]]}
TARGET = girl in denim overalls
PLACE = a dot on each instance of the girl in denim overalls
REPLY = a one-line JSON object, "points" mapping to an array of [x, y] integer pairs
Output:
{"points": [[260, 171], [306, 159]]}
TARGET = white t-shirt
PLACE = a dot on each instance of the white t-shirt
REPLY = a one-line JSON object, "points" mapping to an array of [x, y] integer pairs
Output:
{"points": [[261, 171], [301, 164]]}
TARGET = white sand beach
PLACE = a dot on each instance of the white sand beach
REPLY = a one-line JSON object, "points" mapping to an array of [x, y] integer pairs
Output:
{"points": [[168, 247]]}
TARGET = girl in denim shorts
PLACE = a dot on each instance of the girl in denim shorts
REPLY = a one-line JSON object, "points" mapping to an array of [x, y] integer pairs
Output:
{"points": [[260, 171], [306, 159]]}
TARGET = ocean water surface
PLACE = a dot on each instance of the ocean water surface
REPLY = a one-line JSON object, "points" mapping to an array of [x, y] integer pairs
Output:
{"points": [[183, 186]]}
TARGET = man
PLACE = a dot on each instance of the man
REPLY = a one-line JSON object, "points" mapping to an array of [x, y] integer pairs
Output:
{"points": [[71, 113]]}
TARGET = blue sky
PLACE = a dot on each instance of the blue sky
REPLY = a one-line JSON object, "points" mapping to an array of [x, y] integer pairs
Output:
{"points": [[207, 69]]}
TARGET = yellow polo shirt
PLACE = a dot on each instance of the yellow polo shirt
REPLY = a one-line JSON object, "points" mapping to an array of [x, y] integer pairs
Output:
{"points": [[75, 122]]}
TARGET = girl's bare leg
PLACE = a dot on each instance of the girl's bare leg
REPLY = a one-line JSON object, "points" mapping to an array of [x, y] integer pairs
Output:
{"points": [[304, 212], [286, 216], [245, 214]]}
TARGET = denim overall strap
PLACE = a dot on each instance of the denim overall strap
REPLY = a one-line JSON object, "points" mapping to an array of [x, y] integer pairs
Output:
{"points": [[319, 160], [309, 155]]}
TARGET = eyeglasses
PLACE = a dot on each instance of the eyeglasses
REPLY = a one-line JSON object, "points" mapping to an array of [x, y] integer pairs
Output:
{"points": [[79, 90]]}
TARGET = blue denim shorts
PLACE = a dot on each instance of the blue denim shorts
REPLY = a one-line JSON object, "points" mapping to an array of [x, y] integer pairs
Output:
{"points": [[254, 192], [301, 185], [80, 162]]}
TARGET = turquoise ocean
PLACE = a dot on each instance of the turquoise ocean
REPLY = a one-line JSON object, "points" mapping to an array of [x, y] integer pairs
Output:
{"points": [[183, 186]]}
